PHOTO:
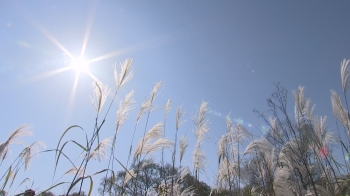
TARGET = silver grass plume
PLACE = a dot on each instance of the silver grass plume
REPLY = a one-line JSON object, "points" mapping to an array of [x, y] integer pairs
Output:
{"points": [[145, 106], [126, 73], [345, 74], [201, 123], [153, 94], [303, 108], [226, 170], [222, 147], [242, 133], [158, 145], [167, 107], [29, 151], [75, 170], [128, 176], [147, 162], [323, 137], [179, 115], [339, 111], [124, 107], [100, 95], [148, 103], [199, 160], [101, 150], [299, 98], [259, 145], [178, 187], [275, 131], [145, 145], [14, 138], [183, 146]]}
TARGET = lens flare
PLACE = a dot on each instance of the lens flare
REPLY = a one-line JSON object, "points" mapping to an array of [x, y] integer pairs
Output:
{"points": [[347, 157], [80, 64]]}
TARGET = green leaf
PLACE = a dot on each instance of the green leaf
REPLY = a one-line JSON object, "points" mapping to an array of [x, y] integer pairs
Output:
{"points": [[7, 177]]}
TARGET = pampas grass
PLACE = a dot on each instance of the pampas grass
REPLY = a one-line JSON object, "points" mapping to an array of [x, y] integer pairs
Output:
{"points": [[126, 73], [101, 92], [183, 146], [293, 158], [201, 122], [14, 138]]}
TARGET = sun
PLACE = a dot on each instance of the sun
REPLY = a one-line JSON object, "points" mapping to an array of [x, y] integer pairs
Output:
{"points": [[80, 64]]}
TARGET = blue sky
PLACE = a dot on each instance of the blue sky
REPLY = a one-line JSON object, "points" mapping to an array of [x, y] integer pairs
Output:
{"points": [[228, 53]]}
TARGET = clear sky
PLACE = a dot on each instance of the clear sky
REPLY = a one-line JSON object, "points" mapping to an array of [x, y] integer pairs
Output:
{"points": [[228, 53]]}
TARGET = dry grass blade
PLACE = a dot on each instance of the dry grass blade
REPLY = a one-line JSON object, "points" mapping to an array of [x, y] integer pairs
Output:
{"points": [[14, 138], [101, 92], [126, 73]]}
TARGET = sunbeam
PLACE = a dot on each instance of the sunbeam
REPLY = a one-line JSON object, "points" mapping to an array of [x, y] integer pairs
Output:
{"points": [[88, 29]]}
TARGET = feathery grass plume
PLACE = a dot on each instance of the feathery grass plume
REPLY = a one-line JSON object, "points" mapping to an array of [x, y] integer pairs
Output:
{"points": [[282, 182], [148, 103], [157, 145], [199, 160], [101, 150], [183, 146], [274, 129], [299, 98], [345, 74], [179, 121], [29, 151], [14, 138], [241, 133], [100, 95], [145, 106], [153, 94], [226, 172], [124, 107], [222, 148], [75, 171], [167, 107], [201, 123], [126, 73], [153, 134], [323, 137], [146, 162], [128, 176], [259, 145], [303, 107], [179, 115], [339, 111]]}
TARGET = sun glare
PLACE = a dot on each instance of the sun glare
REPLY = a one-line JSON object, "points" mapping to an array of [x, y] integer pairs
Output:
{"points": [[80, 64]]}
